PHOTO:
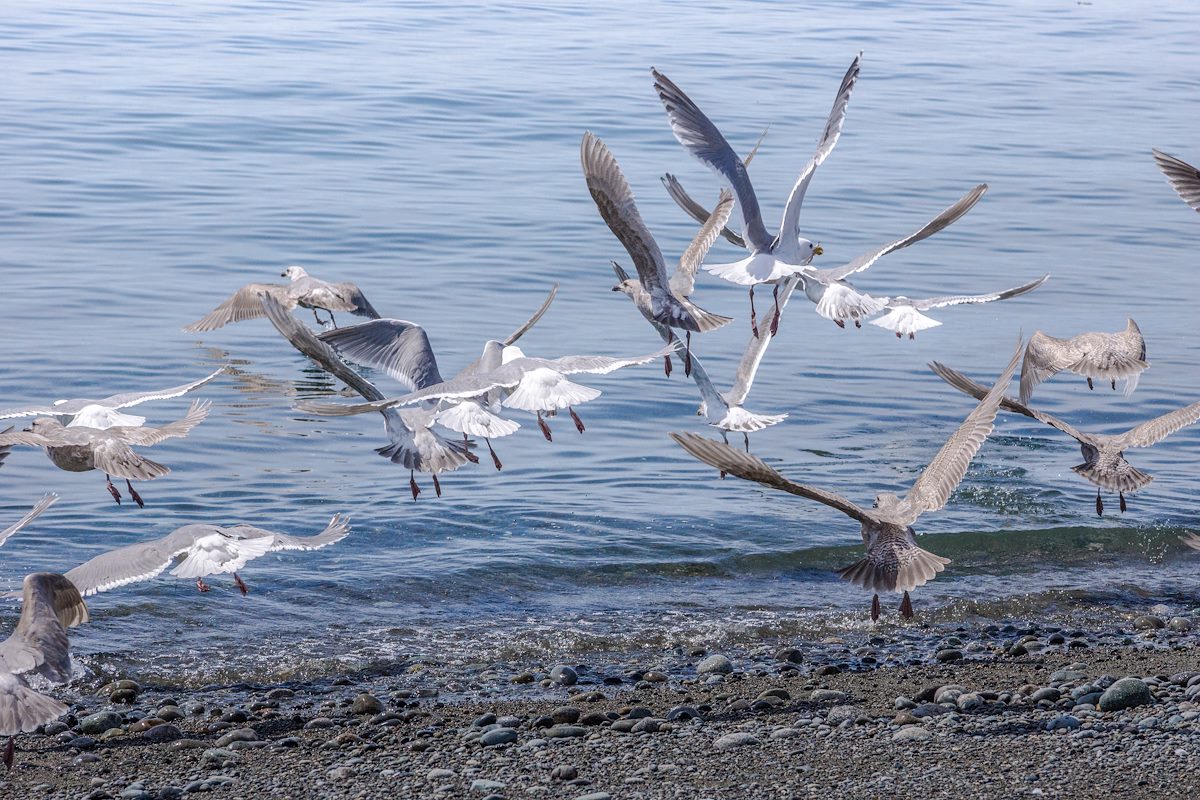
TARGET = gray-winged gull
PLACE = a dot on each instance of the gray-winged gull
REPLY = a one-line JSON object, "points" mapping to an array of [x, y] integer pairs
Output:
{"points": [[304, 291], [1102, 356]]}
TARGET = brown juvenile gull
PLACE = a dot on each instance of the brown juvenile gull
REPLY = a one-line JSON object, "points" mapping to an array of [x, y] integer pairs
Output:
{"points": [[304, 291], [1104, 462], [81, 449], [37, 645], [33, 514], [771, 258], [1184, 178], [666, 300], [1102, 356], [104, 413], [196, 551], [893, 562]]}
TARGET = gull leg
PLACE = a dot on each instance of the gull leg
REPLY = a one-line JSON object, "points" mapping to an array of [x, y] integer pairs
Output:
{"points": [[775, 316], [437, 487], [317, 318], [495, 458], [857, 322], [753, 316], [1090, 386], [113, 490], [1114, 384], [9, 751], [412, 484], [1099, 505], [840, 323], [899, 335], [201, 585], [137, 498], [875, 608], [687, 356], [667, 365], [746, 440], [575, 418], [911, 336], [906, 609], [545, 428], [331, 318], [1122, 496], [241, 584]]}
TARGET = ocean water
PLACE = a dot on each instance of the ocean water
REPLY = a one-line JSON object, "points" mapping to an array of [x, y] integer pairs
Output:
{"points": [[154, 157]]}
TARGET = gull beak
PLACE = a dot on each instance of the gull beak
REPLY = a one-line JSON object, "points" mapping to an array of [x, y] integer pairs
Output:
{"points": [[818, 251], [283, 274], [616, 288]]}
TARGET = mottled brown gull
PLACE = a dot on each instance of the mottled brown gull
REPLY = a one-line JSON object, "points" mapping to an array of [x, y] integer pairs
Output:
{"points": [[1100, 356]]}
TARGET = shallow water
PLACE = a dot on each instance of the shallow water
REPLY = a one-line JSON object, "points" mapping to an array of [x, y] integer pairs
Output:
{"points": [[156, 157]]}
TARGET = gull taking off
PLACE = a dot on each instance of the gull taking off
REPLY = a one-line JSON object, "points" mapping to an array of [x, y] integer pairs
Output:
{"points": [[304, 291], [1102, 356], [893, 562], [1104, 463], [38, 645], [104, 413], [81, 449], [196, 551], [1184, 178], [904, 315], [771, 257], [660, 299]]}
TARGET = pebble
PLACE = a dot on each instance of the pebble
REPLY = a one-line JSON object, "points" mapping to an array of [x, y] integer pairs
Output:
{"points": [[827, 695], [100, 722], [482, 785], [439, 774], [1065, 722], [366, 704], [737, 739], [1126, 693], [949, 654], [564, 732], [239, 735], [564, 675], [595, 796], [564, 772], [714, 665], [683, 713], [1147, 623], [912, 733], [499, 736], [163, 733]]}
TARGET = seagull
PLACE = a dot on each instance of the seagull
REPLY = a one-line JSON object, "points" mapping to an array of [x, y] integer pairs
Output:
{"points": [[904, 313], [725, 411], [1191, 540], [104, 413], [412, 441], [37, 645], [1103, 356], [196, 551], [771, 257], [82, 449], [33, 514], [1184, 178], [665, 300], [304, 291], [537, 385], [1104, 463], [893, 562]]}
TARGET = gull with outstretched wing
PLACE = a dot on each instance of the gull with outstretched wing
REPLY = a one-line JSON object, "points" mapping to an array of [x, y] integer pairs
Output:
{"points": [[1101, 356], [904, 314], [304, 290]]}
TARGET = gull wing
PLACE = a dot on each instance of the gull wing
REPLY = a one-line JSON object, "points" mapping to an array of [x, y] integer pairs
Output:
{"points": [[180, 427], [694, 209], [955, 300], [979, 391], [744, 465], [533, 320], [1155, 430], [683, 280], [358, 302], [399, 348], [134, 398], [614, 199], [829, 139], [1045, 356], [938, 223], [757, 348], [135, 562], [50, 605], [700, 136], [303, 339], [114, 457], [33, 514], [933, 487], [1184, 178], [243, 305], [337, 529]]}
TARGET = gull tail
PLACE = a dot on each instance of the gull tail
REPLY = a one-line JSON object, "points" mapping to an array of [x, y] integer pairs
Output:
{"points": [[1121, 477], [742, 421], [905, 321], [697, 319], [901, 572], [755, 268], [27, 709]]}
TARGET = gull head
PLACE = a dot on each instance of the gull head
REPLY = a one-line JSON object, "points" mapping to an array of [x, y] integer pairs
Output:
{"points": [[886, 501], [806, 250], [294, 273], [43, 424], [628, 287]]}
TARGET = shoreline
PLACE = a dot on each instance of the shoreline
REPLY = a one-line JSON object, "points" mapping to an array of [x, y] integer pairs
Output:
{"points": [[1016, 707]]}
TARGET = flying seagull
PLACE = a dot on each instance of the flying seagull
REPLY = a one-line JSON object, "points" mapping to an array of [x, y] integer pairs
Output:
{"points": [[196, 551], [771, 257], [304, 291], [104, 413], [81, 449], [1184, 178], [39, 646], [666, 300], [1103, 356], [904, 314], [1104, 463], [893, 562]]}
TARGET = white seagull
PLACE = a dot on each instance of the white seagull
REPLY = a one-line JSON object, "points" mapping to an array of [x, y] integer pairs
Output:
{"points": [[39, 646], [104, 413], [662, 299], [304, 291], [904, 315], [196, 551], [771, 257], [894, 561]]}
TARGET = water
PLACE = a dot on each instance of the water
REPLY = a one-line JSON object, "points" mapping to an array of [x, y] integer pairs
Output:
{"points": [[156, 157]]}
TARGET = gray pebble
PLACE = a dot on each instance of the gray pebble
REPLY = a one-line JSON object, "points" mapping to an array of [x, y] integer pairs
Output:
{"points": [[714, 665]]}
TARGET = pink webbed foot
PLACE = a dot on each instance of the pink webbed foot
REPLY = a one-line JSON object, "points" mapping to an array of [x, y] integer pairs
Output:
{"points": [[857, 322], [137, 498], [667, 366], [545, 428], [840, 323], [906, 609], [575, 418], [899, 335], [412, 485], [1099, 504], [495, 458], [775, 316], [241, 584], [912, 336], [201, 585], [1121, 495], [875, 610], [113, 490]]}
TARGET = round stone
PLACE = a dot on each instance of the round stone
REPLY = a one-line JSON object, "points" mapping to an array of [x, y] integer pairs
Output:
{"points": [[563, 675], [366, 704], [498, 736], [715, 664], [1126, 693]]}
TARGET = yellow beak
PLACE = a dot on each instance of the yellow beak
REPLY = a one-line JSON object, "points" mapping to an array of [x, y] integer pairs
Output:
{"points": [[818, 250]]}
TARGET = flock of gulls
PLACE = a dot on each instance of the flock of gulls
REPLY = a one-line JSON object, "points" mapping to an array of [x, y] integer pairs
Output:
{"points": [[434, 426]]}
